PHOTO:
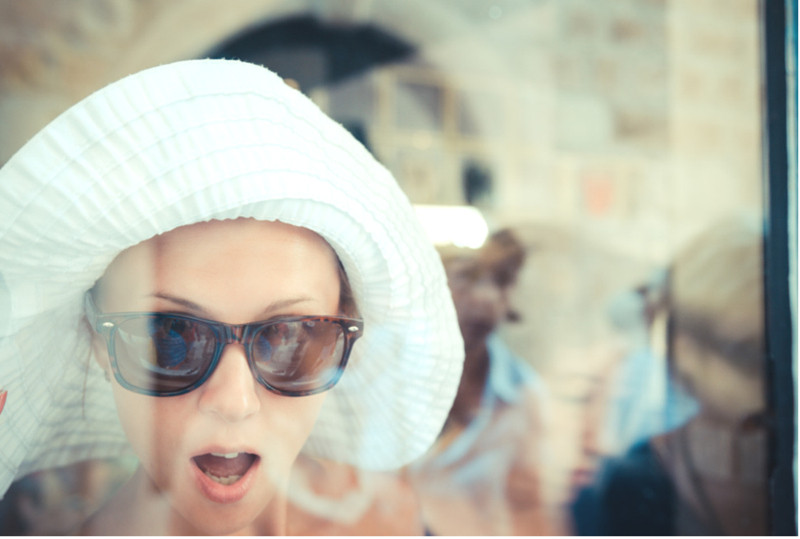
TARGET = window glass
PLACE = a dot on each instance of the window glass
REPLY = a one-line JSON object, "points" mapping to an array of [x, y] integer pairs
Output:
{"points": [[592, 173]]}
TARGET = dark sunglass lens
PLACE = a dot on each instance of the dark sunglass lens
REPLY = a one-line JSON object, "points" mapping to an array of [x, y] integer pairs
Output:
{"points": [[299, 356], [163, 353]]}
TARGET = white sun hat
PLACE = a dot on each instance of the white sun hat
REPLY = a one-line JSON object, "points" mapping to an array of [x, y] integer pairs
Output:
{"points": [[189, 142]]}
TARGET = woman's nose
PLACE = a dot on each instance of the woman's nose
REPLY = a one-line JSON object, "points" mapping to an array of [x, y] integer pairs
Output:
{"points": [[231, 391]]}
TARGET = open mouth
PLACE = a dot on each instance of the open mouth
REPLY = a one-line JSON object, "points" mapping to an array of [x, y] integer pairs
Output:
{"points": [[225, 468]]}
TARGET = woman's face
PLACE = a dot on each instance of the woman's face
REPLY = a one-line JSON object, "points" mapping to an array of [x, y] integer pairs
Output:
{"points": [[481, 301], [234, 272]]}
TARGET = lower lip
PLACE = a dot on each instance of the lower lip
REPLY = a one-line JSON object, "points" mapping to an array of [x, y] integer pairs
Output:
{"points": [[219, 493]]}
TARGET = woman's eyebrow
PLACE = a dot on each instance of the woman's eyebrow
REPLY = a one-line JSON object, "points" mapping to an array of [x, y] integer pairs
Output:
{"points": [[271, 308], [181, 301], [284, 303]]}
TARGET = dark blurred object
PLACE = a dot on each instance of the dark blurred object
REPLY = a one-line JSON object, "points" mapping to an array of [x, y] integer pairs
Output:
{"points": [[312, 52], [477, 180], [358, 131], [57, 501]]}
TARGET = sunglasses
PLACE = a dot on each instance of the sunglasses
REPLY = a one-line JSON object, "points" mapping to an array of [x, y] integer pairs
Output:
{"points": [[164, 354]]}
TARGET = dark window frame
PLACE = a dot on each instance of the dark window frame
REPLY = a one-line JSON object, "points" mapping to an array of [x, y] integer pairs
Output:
{"points": [[779, 43]]}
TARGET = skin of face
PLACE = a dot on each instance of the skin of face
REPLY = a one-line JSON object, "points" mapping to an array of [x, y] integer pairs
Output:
{"points": [[724, 392], [235, 272], [480, 301]]}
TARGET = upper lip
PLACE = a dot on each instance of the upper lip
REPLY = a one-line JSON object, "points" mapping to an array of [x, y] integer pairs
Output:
{"points": [[225, 449]]}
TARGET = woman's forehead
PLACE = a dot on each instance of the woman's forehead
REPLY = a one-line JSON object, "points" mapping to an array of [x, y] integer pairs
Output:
{"points": [[245, 231], [243, 235], [241, 253]]}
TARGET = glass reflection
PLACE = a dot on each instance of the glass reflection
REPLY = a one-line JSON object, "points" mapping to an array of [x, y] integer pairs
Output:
{"points": [[709, 475], [610, 137]]}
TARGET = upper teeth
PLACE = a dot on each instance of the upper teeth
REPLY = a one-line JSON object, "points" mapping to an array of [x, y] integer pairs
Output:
{"points": [[226, 455]]}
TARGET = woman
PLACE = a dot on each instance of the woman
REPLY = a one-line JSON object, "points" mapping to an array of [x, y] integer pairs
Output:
{"points": [[708, 476], [203, 269]]}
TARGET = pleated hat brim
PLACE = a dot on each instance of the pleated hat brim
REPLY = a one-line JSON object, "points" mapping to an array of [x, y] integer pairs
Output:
{"points": [[189, 142]]}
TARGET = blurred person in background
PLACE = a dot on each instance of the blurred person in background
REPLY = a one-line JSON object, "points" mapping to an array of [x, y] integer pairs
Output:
{"points": [[483, 475], [644, 401], [637, 398], [708, 476]]}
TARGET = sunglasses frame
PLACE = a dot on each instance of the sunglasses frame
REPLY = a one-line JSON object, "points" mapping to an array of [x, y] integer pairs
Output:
{"points": [[106, 325]]}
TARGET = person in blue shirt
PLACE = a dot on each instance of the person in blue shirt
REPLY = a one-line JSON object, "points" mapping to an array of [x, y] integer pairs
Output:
{"points": [[483, 476]]}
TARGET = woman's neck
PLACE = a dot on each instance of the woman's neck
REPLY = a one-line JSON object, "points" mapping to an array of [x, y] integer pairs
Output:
{"points": [[473, 382], [125, 512], [139, 508]]}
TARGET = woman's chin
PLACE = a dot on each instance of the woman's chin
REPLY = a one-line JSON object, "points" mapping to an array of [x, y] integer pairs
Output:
{"points": [[259, 513]]}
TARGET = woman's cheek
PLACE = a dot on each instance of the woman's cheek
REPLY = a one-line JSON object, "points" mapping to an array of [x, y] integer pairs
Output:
{"points": [[295, 422], [152, 428]]}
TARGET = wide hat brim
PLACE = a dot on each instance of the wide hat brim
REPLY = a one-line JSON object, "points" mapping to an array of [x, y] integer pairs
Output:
{"points": [[189, 142]]}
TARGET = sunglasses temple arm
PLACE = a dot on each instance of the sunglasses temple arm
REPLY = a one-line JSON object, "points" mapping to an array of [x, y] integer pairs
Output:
{"points": [[91, 310]]}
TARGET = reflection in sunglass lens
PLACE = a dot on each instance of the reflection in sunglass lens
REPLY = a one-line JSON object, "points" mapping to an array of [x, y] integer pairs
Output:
{"points": [[163, 353], [299, 356], [168, 354]]}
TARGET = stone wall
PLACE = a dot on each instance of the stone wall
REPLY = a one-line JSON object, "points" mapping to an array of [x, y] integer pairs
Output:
{"points": [[624, 126]]}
